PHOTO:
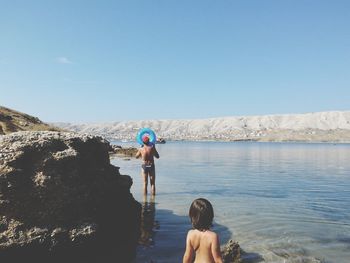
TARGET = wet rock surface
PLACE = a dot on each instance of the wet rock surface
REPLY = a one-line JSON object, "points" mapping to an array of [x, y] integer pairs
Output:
{"points": [[62, 200], [123, 151], [231, 252]]}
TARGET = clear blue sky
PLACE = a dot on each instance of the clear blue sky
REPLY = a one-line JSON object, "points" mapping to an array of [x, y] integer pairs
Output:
{"points": [[168, 59]]}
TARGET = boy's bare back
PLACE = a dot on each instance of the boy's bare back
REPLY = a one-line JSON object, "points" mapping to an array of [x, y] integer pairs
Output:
{"points": [[204, 245]]}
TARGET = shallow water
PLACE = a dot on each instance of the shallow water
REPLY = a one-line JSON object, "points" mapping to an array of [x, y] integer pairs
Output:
{"points": [[283, 202]]}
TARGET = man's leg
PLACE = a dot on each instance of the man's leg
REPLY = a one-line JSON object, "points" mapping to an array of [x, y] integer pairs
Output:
{"points": [[153, 181], [145, 181]]}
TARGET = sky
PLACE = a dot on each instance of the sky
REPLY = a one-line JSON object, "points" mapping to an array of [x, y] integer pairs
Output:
{"points": [[101, 61]]}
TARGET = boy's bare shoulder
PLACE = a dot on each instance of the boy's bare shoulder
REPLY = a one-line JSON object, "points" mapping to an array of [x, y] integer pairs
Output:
{"points": [[190, 232], [212, 234], [190, 235]]}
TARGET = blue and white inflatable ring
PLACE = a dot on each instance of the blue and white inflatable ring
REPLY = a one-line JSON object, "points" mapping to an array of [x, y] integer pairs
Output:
{"points": [[148, 132]]}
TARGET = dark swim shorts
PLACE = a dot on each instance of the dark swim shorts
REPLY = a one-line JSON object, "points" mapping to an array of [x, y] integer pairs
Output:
{"points": [[147, 168]]}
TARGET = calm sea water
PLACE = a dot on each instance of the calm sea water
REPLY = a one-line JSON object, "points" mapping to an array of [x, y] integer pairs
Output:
{"points": [[283, 202]]}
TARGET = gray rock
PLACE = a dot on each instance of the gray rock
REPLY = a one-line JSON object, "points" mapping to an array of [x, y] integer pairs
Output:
{"points": [[231, 253], [119, 150], [61, 199]]}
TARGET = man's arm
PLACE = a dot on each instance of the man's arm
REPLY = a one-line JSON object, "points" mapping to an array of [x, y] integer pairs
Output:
{"points": [[155, 153], [189, 252], [138, 154]]}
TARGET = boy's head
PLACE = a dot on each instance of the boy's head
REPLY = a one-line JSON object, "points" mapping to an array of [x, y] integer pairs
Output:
{"points": [[145, 139], [201, 214]]}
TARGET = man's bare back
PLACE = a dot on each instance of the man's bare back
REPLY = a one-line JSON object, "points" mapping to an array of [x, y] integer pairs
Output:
{"points": [[147, 153]]}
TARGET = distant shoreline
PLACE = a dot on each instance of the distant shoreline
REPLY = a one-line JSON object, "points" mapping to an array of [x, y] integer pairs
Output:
{"points": [[332, 127], [112, 140]]}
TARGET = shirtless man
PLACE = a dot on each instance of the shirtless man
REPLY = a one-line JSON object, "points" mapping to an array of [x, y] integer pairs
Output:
{"points": [[148, 152]]}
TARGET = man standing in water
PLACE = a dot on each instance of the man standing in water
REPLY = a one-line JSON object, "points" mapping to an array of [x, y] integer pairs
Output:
{"points": [[148, 152]]}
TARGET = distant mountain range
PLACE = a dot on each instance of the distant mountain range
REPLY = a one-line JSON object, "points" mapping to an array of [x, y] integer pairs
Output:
{"points": [[12, 121], [332, 126]]}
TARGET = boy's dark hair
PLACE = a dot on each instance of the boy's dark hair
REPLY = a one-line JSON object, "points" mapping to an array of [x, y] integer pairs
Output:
{"points": [[201, 214]]}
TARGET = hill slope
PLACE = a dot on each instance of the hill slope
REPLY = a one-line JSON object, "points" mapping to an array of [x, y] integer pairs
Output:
{"points": [[331, 126], [12, 121]]}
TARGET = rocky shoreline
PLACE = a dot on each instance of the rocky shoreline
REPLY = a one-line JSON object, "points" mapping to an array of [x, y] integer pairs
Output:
{"points": [[62, 200], [12, 121], [122, 151]]}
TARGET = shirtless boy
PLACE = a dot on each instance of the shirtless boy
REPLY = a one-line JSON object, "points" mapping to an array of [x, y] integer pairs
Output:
{"points": [[202, 244], [147, 152]]}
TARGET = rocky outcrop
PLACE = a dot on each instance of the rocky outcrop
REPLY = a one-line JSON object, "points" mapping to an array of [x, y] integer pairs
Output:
{"points": [[231, 252], [123, 151], [61, 200], [13, 121]]}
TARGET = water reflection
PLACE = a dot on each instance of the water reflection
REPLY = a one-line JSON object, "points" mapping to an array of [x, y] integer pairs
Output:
{"points": [[148, 223]]}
